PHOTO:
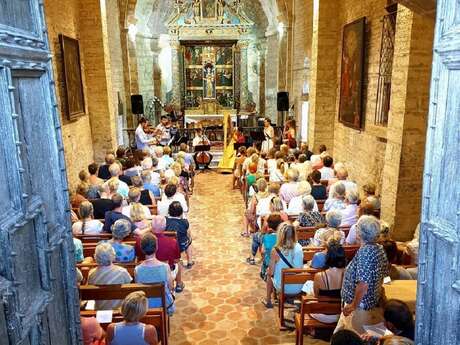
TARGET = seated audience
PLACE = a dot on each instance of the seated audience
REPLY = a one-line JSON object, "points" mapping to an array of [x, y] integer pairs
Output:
{"points": [[150, 167], [177, 223], [112, 216], [121, 156], [109, 189], [171, 195], [317, 160], [166, 158], [296, 204], [268, 241], [271, 161], [277, 174], [337, 202], [104, 172], [304, 150], [93, 179], [137, 216], [115, 172], [397, 272], [131, 331], [238, 167], [262, 201], [87, 225], [152, 271], [101, 206], [289, 189], [350, 212], [369, 195], [333, 220], [318, 190], [365, 209], [303, 167], [91, 331], [93, 190], [309, 217], [362, 289], [342, 177], [327, 172], [123, 252], [106, 273], [147, 198], [346, 337], [80, 195], [131, 169], [287, 253], [149, 186], [134, 197], [333, 247]]}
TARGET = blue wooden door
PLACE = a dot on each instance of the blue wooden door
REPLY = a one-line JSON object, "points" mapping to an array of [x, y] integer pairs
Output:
{"points": [[38, 295], [438, 300]]}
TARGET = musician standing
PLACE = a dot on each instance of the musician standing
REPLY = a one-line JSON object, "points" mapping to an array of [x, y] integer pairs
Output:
{"points": [[143, 140], [163, 131], [201, 157], [269, 134]]}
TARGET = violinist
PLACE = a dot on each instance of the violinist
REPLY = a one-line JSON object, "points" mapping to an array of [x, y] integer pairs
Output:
{"points": [[202, 158], [163, 131], [143, 139]]}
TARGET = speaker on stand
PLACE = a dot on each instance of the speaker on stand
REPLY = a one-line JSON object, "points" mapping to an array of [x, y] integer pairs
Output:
{"points": [[137, 105], [283, 107]]}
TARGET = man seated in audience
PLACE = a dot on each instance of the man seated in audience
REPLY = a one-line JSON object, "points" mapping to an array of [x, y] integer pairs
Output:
{"points": [[87, 225], [134, 196], [398, 320], [369, 195], [106, 273], [152, 271], [131, 331], [94, 180], [115, 172], [337, 202], [397, 272], [112, 216], [365, 209], [104, 172], [317, 160], [120, 155], [149, 185], [91, 331], [289, 190], [333, 220], [123, 252], [350, 212], [303, 166], [342, 177], [318, 191], [176, 222], [101, 205], [159, 156], [150, 166], [327, 172], [147, 198], [304, 150], [170, 195]]}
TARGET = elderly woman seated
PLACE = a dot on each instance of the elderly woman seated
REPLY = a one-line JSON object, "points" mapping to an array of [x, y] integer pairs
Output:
{"points": [[365, 209], [333, 220], [147, 198], [397, 272], [134, 196], [123, 252], [369, 195], [296, 205], [309, 217], [337, 202], [131, 330], [289, 189], [363, 279], [87, 225], [106, 273], [350, 212], [332, 246]]}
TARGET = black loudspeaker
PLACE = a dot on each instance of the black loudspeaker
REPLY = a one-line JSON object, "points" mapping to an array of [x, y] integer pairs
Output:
{"points": [[283, 101], [137, 104]]}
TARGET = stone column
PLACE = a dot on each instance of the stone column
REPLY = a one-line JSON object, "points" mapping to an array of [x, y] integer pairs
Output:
{"points": [[323, 84], [261, 63], [156, 74], [244, 88], [406, 134], [271, 74], [176, 73]]}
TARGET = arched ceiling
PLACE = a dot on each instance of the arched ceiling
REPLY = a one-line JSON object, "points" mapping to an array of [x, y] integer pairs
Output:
{"points": [[150, 16]]}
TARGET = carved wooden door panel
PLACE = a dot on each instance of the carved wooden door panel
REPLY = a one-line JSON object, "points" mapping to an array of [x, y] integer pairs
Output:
{"points": [[39, 301], [438, 303]]}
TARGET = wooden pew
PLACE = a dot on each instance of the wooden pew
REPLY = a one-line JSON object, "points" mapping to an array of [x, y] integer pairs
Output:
{"points": [[308, 252], [105, 236], [86, 268], [290, 276], [157, 316], [311, 305]]}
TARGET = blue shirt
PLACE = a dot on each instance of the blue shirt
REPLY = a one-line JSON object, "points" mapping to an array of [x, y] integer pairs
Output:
{"points": [[153, 188], [123, 252], [295, 258], [370, 266], [269, 241]]}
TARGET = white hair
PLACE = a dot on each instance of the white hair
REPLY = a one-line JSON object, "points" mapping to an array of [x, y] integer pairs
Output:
{"points": [[303, 188], [308, 203], [352, 196], [368, 229], [334, 218], [104, 254], [147, 163], [159, 151], [114, 170]]}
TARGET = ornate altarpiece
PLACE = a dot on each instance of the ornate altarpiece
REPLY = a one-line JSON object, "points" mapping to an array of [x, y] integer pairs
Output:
{"points": [[210, 38]]}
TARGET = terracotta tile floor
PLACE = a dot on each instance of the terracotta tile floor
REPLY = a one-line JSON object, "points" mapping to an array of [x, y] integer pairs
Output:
{"points": [[220, 304]]}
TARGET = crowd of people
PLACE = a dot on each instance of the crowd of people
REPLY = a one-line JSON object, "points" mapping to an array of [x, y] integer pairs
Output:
{"points": [[288, 187], [141, 200]]}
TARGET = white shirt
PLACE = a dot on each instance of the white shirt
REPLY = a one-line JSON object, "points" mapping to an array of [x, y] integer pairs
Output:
{"points": [[163, 205], [261, 166], [304, 169], [165, 136], [123, 188], [296, 205], [276, 176], [156, 178], [200, 140], [352, 238], [246, 163], [326, 173], [263, 206], [349, 185], [271, 165], [349, 215], [92, 227], [169, 173], [142, 138], [126, 210], [319, 239]]}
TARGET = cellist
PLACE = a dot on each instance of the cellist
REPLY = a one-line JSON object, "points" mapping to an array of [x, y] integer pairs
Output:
{"points": [[202, 158]]}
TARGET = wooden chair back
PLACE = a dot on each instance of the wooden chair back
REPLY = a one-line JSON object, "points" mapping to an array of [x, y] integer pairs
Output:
{"points": [[305, 233], [86, 268]]}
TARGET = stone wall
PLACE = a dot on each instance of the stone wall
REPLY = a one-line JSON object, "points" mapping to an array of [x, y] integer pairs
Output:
{"points": [[63, 17]]}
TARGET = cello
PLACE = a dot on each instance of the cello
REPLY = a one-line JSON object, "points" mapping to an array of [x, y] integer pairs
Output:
{"points": [[202, 147]]}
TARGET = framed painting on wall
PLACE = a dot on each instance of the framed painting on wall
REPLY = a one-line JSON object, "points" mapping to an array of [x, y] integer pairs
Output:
{"points": [[74, 95], [351, 77]]}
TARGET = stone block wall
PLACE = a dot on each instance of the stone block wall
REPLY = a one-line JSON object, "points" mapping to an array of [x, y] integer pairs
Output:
{"points": [[63, 17]]}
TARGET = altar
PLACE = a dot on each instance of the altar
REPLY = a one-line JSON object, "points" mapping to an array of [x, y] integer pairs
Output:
{"points": [[202, 120]]}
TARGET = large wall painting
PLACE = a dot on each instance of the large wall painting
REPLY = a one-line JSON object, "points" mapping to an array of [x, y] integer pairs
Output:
{"points": [[351, 82]]}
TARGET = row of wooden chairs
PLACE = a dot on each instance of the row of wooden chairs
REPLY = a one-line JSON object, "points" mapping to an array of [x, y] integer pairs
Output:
{"points": [[153, 210], [158, 317]]}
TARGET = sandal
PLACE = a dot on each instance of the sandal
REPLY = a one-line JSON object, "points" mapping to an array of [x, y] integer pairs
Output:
{"points": [[190, 264], [267, 305], [244, 234], [251, 261], [180, 288]]}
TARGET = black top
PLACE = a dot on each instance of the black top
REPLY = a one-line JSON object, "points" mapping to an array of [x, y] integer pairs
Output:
{"points": [[126, 179], [101, 206], [319, 192], [145, 198], [328, 292], [104, 172], [111, 217]]}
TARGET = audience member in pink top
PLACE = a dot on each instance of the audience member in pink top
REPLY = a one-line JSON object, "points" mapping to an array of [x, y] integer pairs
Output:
{"points": [[289, 190], [91, 330]]}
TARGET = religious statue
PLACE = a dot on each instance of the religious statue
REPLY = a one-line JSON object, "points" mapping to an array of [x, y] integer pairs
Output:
{"points": [[237, 6], [196, 10], [209, 81], [220, 9]]}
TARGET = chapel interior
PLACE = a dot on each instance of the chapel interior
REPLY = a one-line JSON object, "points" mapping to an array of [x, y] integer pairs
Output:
{"points": [[192, 140]]}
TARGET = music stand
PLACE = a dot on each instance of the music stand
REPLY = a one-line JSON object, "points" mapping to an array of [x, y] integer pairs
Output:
{"points": [[257, 136], [202, 148]]}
